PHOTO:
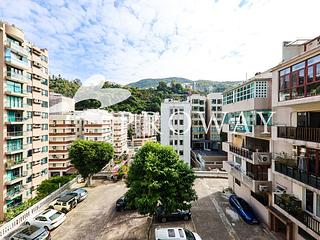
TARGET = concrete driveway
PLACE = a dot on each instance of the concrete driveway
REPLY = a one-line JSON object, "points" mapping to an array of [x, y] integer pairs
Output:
{"points": [[212, 217]]}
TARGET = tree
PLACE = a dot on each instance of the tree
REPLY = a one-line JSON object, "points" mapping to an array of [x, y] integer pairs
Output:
{"points": [[157, 176], [90, 157]]}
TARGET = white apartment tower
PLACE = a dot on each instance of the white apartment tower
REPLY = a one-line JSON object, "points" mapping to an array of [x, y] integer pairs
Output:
{"points": [[175, 127]]}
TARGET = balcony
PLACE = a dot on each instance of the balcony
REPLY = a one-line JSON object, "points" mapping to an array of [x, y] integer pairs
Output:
{"points": [[17, 48], [20, 93], [251, 180], [249, 130], [15, 149], [16, 178], [16, 62], [299, 133], [14, 134], [297, 174], [11, 164], [246, 153], [14, 120], [14, 192], [291, 207], [17, 77], [15, 107]]}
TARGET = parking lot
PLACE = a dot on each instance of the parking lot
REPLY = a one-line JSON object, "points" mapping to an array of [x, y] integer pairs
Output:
{"points": [[212, 217]]}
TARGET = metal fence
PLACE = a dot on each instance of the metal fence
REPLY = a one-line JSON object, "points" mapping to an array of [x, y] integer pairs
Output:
{"points": [[16, 222]]}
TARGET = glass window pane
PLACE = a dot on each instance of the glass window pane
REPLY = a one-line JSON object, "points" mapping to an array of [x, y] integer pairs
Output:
{"points": [[310, 74]]}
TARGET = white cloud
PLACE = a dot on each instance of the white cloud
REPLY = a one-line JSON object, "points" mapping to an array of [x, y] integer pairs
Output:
{"points": [[197, 39]]}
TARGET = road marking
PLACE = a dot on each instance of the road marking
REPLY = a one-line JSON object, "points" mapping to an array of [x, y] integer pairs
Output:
{"points": [[225, 220]]}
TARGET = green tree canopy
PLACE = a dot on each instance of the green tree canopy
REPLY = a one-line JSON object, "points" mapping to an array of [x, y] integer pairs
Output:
{"points": [[90, 157], [158, 176]]}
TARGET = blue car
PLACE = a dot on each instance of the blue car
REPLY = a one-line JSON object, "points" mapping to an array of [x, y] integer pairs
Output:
{"points": [[243, 209]]}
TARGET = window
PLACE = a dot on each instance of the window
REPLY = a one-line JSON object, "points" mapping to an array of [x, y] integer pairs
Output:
{"points": [[14, 102], [29, 89], [29, 114], [309, 201], [44, 104], [237, 182], [181, 152], [171, 142], [29, 140], [181, 122], [29, 127], [318, 206], [181, 142], [29, 101]]}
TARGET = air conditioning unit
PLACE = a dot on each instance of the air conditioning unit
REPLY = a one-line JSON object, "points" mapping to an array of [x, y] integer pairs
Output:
{"points": [[264, 158], [263, 188], [280, 189]]}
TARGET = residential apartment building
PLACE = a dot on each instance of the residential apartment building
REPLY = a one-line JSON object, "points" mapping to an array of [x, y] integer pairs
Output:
{"points": [[97, 125], [65, 127], [249, 143], [24, 110], [214, 110], [64, 130], [295, 210], [198, 116], [120, 134], [145, 127], [175, 127]]}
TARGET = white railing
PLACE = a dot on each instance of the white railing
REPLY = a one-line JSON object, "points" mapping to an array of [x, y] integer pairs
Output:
{"points": [[16, 222]]}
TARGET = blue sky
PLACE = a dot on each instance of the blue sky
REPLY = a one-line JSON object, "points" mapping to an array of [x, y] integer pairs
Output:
{"points": [[127, 40]]}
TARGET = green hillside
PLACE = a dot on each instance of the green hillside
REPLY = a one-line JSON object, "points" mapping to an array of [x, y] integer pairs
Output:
{"points": [[154, 82]]}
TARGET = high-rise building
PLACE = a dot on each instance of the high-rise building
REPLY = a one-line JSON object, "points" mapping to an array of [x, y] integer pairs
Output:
{"points": [[175, 127], [295, 210], [248, 145], [25, 117], [120, 134], [214, 110], [198, 116]]}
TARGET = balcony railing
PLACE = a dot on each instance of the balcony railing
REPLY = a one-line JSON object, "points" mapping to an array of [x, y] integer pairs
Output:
{"points": [[240, 128], [241, 151], [17, 76], [292, 205], [299, 133], [297, 174], [15, 134], [11, 163]]}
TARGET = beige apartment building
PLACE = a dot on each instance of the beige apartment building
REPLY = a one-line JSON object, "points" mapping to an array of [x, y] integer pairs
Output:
{"points": [[295, 210], [144, 127], [120, 134], [25, 117], [249, 145]]}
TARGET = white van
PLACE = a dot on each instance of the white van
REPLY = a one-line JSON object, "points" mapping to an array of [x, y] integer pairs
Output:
{"points": [[175, 234]]}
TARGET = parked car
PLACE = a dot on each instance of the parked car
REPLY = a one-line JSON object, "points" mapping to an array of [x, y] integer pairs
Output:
{"points": [[48, 219], [177, 215], [65, 203], [243, 209], [175, 234], [121, 204], [71, 194], [31, 233], [81, 194]]}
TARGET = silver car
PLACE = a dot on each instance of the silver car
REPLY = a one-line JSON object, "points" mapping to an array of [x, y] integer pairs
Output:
{"points": [[31, 233], [82, 193]]}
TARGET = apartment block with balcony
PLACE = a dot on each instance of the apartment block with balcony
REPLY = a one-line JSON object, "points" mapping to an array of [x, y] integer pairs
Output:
{"points": [[97, 125], [214, 110], [198, 117], [144, 127], [175, 127], [120, 134], [249, 155], [295, 211], [24, 107]]}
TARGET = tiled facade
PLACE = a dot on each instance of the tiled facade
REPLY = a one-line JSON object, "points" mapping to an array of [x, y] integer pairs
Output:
{"points": [[25, 110]]}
